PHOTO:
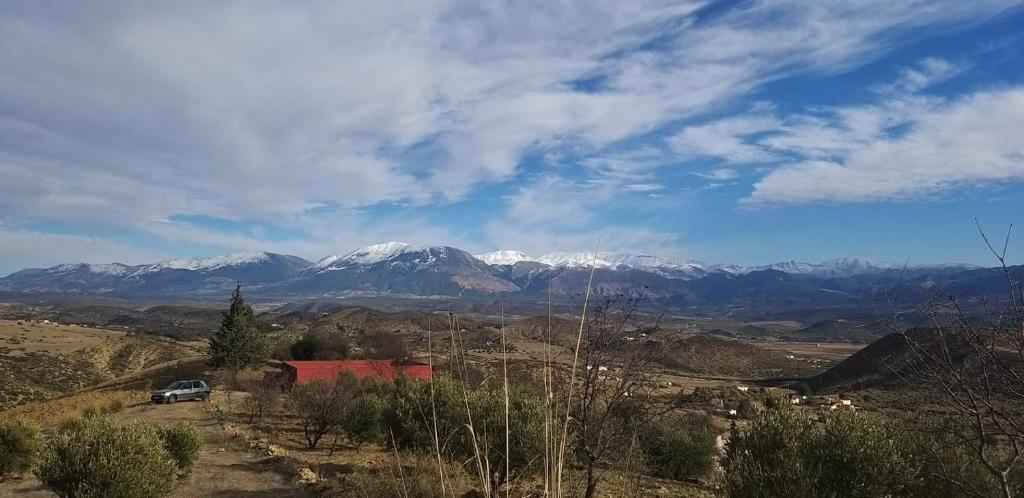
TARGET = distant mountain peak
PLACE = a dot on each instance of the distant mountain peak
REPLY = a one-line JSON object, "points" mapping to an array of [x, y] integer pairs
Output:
{"points": [[207, 263], [503, 257], [365, 255]]}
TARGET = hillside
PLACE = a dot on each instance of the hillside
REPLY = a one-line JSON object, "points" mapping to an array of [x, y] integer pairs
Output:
{"points": [[839, 329], [562, 331], [886, 362], [41, 360], [717, 356]]}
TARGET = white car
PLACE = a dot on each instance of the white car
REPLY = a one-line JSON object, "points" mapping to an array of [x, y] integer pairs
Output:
{"points": [[182, 390]]}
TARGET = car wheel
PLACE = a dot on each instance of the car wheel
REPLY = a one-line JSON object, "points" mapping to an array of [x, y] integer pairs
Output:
{"points": [[173, 398]]}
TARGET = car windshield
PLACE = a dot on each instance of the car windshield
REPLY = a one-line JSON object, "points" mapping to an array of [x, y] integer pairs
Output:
{"points": [[179, 385]]}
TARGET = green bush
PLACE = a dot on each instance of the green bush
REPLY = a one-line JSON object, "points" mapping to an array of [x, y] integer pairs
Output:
{"points": [[19, 446], [410, 416], [770, 458], [364, 422], [856, 455], [96, 457], [681, 447], [183, 442]]}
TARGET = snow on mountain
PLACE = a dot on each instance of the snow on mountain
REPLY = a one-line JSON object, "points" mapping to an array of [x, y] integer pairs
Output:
{"points": [[839, 267], [113, 269], [607, 260], [610, 260], [110, 269], [206, 264], [506, 257], [367, 255]]}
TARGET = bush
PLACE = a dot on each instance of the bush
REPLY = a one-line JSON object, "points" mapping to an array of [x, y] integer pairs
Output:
{"points": [[746, 409], [320, 346], [849, 454], [322, 408], [770, 458], [221, 415], [857, 455], [364, 422], [262, 399], [183, 442], [19, 446], [95, 458], [681, 447], [410, 417]]}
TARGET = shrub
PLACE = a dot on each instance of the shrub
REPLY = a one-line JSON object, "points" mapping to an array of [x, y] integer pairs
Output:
{"points": [[262, 399], [320, 346], [857, 455], [681, 447], [410, 417], [96, 457], [364, 422], [769, 459], [221, 415], [321, 408], [19, 446], [183, 442], [849, 454], [745, 409]]}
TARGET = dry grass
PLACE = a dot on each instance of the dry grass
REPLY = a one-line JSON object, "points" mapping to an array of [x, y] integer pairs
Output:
{"points": [[44, 360]]}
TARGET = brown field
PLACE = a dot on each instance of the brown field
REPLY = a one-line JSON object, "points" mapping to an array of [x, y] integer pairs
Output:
{"points": [[824, 352]]}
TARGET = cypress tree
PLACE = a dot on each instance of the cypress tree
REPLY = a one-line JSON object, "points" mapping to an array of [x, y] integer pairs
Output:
{"points": [[238, 344]]}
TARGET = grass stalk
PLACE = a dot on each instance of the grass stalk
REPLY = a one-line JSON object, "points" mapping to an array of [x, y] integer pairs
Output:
{"points": [[572, 377], [508, 429]]}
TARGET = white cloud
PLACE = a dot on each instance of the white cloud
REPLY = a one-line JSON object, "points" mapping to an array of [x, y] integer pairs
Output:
{"points": [[127, 114], [928, 72], [726, 139], [970, 140]]}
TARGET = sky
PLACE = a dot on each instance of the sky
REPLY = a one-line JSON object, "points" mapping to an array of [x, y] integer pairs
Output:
{"points": [[742, 132]]}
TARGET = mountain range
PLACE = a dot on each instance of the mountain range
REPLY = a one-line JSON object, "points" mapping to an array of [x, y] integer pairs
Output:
{"points": [[400, 269]]}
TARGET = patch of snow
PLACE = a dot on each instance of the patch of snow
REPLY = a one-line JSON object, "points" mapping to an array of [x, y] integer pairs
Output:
{"points": [[364, 256], [206, 264], [504, 257], [109, 269]]}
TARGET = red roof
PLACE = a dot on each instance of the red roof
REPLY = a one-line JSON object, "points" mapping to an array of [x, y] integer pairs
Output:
{"points": [[328, 370]]}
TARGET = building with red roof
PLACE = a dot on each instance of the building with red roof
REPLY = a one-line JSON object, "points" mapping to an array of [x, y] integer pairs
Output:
{"points": [[296, 371]]}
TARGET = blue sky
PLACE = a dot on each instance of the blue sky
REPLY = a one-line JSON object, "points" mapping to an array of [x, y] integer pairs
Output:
{"points": [[743, 132]]}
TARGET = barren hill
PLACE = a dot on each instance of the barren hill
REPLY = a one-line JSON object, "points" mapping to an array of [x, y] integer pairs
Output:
{"points": [[887, 361], [40, 360], [717, 356]]}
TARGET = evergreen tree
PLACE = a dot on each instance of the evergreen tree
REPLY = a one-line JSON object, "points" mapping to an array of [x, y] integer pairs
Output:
{"points": [[238, 344]]}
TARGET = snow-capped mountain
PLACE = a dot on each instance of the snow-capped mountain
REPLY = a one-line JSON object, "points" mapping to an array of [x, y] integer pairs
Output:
{"points": [[367, 255], [206, 264], [399, 268], [504, 257], [177, 276], [606, 260]]}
